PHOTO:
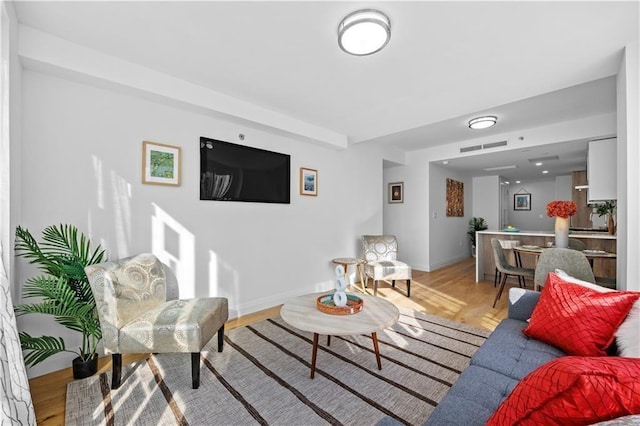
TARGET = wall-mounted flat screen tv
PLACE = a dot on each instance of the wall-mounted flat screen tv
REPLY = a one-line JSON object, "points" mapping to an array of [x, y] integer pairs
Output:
{"points": [[232, 172]]}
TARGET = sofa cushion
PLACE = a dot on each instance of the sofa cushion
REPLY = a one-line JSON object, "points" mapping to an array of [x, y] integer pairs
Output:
{"points": [[574, 390], [474, 397], [511, 353], [627, 336], [576, 319]]}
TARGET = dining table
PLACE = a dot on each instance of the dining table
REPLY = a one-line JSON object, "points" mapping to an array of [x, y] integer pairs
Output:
{"points": [[537, 250]]}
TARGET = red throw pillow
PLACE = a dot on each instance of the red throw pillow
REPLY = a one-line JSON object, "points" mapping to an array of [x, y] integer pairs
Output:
{"points": [[573, 390], [576, 319]]}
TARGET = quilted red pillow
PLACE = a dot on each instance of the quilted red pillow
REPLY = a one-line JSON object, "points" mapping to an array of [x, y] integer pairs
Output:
{"points": [[576, 319], [573, 390]]}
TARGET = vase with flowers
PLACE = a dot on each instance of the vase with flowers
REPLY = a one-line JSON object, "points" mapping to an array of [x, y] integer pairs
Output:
{"points": [[562, 211]]}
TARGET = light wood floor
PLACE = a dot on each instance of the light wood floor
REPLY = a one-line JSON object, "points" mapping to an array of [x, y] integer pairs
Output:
{"points": [[450, 292]]}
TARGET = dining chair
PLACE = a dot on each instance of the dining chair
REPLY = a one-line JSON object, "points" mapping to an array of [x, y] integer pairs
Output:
{"points": [[380, 253], [573, 262], [135, 316], [575, 244], [506, 269]]}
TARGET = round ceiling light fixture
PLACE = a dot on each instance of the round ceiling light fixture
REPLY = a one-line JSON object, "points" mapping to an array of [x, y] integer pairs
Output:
{"points": [[364, 32], [483, 122]]}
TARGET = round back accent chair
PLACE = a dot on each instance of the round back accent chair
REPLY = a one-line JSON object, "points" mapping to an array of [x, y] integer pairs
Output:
{"points": [[571, 261], [135, 316], [380, 253], [505, 269]]}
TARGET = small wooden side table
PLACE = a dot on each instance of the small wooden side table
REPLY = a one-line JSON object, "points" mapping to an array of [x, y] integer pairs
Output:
{"points": [[346, 261]]}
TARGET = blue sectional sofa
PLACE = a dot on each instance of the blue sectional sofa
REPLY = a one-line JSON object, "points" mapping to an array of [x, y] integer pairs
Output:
{"points": [[496, 368]]}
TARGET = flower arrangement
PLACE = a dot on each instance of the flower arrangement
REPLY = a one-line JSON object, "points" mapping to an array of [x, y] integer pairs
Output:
{"points": [[562, 209]]}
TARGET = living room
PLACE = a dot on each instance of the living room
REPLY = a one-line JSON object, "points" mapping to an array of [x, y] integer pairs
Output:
{"points": [[82, 98]]}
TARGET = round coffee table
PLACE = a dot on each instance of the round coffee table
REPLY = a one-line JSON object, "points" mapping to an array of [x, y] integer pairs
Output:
{"points": [[302, 313]]}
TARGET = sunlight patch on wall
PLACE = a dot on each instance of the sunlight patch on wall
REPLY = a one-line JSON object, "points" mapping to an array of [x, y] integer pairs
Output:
{"points": [[99, 175], [174, 245], [223, 279], [121, 194]]}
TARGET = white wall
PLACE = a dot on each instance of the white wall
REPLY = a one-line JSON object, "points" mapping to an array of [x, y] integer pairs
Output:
{"points": [[407, 220], [564, 188], [536, 219], [628, 181], [448, 239], [81, 164], [486, 200]]}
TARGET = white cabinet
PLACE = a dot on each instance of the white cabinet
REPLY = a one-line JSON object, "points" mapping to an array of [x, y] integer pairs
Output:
{"points": [[601, 170]]}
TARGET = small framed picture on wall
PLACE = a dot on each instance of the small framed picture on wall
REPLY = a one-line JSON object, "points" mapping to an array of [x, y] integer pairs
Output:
{"points": [[308, 182], [160, 164], [396, 192], [522, 201]]}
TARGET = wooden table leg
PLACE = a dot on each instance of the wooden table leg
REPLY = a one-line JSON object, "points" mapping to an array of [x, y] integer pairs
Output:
{"points": [[314, 353], [374, 337], [362, 283]]}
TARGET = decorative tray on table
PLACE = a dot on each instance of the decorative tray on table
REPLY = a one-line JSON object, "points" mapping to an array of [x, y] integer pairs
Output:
{"points": [[511, 230], [325, 304]]}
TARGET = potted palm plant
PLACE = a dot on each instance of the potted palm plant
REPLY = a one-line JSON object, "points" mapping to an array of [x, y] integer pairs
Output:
{"points": [[608, 208], [63, 292], [475, 224]]}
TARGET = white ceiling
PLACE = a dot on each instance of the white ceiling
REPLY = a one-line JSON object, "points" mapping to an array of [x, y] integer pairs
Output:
{"points": [[446, 61]]}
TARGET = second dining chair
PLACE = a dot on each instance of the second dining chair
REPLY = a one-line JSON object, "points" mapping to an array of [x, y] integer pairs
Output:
{"points": [[506, 269], [571, 261]]}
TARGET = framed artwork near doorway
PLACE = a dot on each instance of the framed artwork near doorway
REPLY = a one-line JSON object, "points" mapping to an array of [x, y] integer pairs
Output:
{"points": [[522, 201], [396, 192]]}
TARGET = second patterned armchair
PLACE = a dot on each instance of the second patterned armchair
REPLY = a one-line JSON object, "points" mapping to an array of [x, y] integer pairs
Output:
{"points": [[135, 317], [380, 253]]}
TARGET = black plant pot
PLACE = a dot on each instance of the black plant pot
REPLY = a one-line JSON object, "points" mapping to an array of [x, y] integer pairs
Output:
{"points": [[82, 369]]}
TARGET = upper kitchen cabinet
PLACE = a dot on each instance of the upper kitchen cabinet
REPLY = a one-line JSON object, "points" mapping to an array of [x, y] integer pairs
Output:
{"points": [[601, 170]]}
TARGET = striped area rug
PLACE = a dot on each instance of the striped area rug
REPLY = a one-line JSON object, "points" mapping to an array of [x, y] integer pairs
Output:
{"points": [[262, 377]]}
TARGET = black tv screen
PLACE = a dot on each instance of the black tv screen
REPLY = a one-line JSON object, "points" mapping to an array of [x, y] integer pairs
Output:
{"points": [[232, 172]]}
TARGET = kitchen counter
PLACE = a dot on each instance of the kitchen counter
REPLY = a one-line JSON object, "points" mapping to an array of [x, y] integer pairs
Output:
{"points": [[572, 234], [485, 264]]}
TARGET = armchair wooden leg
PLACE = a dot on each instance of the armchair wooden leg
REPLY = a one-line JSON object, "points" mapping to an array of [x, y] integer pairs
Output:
{"points": [[195, 370], [375, 287], [393, 283], [116, 370], [409, 288], [220, 338]]}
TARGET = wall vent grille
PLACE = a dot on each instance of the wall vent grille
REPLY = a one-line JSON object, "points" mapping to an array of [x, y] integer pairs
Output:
{"points": [[494, 144], [471, 148]]}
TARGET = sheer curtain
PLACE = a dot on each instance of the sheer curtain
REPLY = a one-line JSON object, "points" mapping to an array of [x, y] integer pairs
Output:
{"points": [[17, 407]]}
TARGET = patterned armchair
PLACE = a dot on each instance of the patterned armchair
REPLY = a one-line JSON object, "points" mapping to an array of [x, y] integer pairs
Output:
{"points": [[135, 317], [380, 253]]}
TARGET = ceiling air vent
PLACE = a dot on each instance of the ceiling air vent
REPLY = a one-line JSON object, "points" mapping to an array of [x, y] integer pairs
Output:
{"points": [[494, 144], [471, 148]]}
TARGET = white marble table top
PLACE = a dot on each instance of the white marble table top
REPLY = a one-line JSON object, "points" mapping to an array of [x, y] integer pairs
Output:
{"points": [[377, 314]]}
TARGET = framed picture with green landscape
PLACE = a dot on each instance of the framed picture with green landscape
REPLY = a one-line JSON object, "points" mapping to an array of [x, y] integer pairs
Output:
{"points": [[160, 164]]}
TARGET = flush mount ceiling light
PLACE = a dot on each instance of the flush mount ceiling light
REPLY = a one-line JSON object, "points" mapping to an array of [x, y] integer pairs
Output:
{"points": [[364, 32], [482, 122]]}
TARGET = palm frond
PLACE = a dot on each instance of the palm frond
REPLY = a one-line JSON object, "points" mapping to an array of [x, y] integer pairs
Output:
{"points": [[27, 247], [37, 349]]}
